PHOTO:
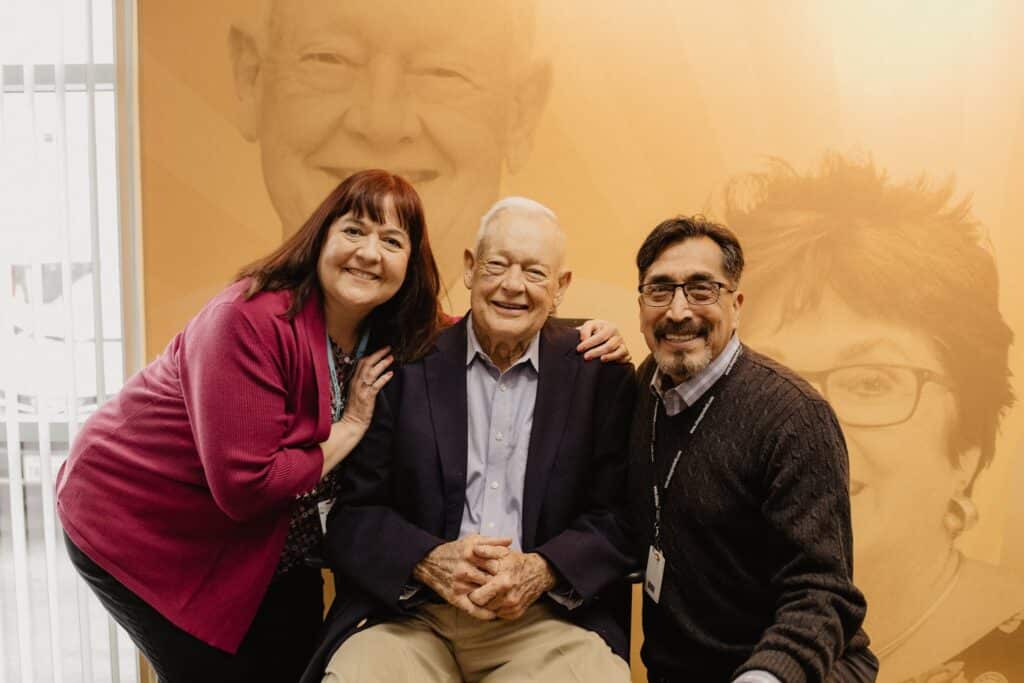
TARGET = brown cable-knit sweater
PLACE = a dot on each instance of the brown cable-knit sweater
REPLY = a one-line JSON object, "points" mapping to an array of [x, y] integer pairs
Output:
{"points": [[755, 530]]}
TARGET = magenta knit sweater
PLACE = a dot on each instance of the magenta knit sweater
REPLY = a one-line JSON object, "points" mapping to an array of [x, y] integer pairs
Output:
{"points": [[180, 485]]}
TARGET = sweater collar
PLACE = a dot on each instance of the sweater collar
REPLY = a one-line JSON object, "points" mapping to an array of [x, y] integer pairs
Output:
{"points": [[681, 396]]}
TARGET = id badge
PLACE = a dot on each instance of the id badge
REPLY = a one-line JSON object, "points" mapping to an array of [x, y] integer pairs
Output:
{"points": [[655, 572], [324, 507]]}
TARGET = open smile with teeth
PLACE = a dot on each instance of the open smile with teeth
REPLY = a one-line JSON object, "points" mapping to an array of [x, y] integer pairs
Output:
{"points": [[681, 338], [505, 306], [362, 274]]}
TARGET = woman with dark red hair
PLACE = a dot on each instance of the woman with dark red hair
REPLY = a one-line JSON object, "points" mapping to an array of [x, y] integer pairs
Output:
{"points": [[192, 498]]}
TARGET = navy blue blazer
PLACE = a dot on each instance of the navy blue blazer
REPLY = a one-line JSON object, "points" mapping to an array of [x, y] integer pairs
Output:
{"points": [[402, 491]]}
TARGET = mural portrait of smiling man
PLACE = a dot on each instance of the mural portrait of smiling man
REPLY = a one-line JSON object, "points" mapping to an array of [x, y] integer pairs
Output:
{"points": [[444, 93]]}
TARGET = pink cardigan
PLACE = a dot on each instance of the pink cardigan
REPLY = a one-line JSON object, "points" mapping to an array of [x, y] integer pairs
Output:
{"points": [[180, 485]]}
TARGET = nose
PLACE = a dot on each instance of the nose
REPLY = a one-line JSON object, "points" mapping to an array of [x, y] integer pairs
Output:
{"points": [[679, 309], [513, 282], [369, 250], [382, 111]]}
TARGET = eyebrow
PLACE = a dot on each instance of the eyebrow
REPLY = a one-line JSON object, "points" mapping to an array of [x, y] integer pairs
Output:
{"points": [[861, 348], [849, 355], [366, 221], [530, 263], [358, 220], [700, 276]]}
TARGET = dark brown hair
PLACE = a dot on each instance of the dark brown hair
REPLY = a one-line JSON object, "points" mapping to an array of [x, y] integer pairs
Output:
{"points": [[681, 228], [408, 321]]}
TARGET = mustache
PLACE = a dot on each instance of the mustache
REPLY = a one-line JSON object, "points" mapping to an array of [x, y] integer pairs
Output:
{"points": [[687, 327]]}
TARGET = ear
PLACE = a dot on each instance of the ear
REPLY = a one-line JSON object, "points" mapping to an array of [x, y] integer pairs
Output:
{"points": [[468, 267], [563, 284], [737, 306], [528, 103], [246, 63], [966, 468]]}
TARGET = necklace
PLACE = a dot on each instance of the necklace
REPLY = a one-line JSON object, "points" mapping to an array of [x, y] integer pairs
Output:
{"points": [[905, 635]]}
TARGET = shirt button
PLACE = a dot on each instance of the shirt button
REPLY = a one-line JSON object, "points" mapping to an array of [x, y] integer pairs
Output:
{"points": [[499, 437], [490, 525], [494, 485], [502, 387]]}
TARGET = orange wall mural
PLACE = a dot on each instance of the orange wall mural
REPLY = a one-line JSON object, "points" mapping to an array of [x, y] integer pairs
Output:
{"points": [[869, 154]]}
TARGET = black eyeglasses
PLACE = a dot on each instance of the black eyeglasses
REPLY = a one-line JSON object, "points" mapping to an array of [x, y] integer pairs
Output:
{"points": [[697, 292], [873, 395]]}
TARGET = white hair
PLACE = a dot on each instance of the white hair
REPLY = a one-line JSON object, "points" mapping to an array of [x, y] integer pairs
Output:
{"points": [[525, 205]]}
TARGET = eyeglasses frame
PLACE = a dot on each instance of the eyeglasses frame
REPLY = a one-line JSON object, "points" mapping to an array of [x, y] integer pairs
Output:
{"points": [[719, 286], [922, 376]]}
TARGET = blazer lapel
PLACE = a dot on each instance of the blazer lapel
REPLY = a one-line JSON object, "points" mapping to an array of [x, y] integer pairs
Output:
{"points": [[446, 392], [558, 368]]}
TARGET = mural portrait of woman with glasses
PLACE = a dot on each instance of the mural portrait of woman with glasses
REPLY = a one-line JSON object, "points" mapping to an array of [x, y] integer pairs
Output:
{"points": [[884, 296]]}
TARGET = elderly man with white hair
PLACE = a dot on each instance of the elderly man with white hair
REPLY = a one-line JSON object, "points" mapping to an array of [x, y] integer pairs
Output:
{"points": [[477, 536]]}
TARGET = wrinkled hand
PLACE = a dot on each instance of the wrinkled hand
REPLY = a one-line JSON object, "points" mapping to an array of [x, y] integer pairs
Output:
{"points": [[366, 382], [519, 579], [600, 338], [454, 570]]}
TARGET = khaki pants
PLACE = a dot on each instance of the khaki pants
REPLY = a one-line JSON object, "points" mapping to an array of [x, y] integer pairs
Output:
{"points": [[440, 643]]}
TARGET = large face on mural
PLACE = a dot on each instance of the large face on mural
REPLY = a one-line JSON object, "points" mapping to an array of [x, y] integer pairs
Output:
{"points": [[883, 296], [893, 397], [440, 92]]}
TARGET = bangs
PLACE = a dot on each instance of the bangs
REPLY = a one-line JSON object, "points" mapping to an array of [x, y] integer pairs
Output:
{"points": [[373, 195]]}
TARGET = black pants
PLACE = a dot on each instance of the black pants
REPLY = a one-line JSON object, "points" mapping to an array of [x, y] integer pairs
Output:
{"points": [[276, 648]]}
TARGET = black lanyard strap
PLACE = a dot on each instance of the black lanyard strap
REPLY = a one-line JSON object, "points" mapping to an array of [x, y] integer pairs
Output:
{"points": [[658, 494], [672, 468]]}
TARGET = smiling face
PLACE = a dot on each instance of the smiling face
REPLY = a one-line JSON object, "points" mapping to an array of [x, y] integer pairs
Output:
{"points": [[362, 264], [684, 338], [516, 279], [431, 91], [903, 475]]}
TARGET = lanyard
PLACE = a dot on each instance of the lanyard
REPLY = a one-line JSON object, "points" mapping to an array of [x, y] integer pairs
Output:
{"points": [[660, 492], [337, 398]]}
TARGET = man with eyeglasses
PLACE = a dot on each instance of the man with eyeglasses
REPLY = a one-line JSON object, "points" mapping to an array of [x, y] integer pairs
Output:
{"points": [[738, 482]]}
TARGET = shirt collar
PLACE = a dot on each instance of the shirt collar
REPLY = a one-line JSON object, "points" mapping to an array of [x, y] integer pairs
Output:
{"points": [[473, 349], [678, 398]]}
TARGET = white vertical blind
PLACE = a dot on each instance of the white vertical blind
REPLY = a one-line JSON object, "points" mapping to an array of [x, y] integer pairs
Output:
{"points": [[61, 339]]}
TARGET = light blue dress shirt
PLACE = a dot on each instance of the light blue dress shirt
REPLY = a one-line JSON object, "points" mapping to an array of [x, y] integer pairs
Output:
{"points": [[499, 409]]}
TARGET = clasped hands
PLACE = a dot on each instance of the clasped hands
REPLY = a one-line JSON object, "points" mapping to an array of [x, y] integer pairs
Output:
{"points": [[484, 577]]}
